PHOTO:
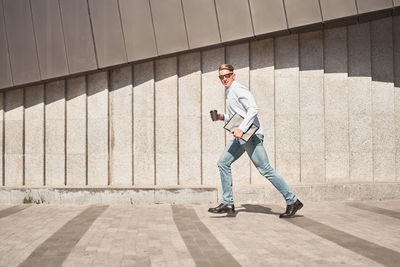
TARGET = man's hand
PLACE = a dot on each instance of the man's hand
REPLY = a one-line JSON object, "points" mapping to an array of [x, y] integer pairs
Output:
{"points": [[237, 133]]}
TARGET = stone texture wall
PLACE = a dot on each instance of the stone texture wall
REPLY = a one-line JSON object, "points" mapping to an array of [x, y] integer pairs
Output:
{"points": [[329, 102]]}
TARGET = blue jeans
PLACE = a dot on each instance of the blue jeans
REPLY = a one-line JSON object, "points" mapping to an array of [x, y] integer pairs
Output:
{"points": [[255, 149]]}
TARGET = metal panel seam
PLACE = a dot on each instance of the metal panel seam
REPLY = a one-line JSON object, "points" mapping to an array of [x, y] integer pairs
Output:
{"points": [[154, 30], [287, 22], [34, 36], [320, 11], [252, 25], [91, 30], [62, 30], [184, 23], [219, 27], [122, 30]]}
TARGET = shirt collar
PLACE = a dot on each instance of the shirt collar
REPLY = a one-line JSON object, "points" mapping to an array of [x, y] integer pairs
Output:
{"points": [[232, 85]]}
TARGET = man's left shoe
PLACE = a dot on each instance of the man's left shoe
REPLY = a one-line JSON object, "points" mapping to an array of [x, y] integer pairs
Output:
{"points": [[291, 209]]}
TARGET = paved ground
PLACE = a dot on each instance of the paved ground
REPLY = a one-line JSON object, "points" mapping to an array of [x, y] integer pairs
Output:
{"points": [[323, 234]]}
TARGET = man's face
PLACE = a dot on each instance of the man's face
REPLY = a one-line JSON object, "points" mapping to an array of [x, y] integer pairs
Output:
{"points": [[227, 77]]}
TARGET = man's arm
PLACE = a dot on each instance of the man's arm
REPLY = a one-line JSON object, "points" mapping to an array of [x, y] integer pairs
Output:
{"points": [[247, 100]]}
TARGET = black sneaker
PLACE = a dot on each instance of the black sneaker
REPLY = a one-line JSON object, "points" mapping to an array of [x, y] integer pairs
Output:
{"points": [[223, 208]]}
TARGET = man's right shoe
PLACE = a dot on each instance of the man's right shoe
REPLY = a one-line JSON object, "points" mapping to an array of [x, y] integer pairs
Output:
{"points": [[223, 208], [291, 209]]}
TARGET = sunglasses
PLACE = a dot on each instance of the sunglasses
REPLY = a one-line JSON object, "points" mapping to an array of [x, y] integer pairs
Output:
{"points": [[228, 75]]}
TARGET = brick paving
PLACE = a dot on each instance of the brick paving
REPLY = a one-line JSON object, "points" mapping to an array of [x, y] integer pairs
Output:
{"points": [[336, 233]]}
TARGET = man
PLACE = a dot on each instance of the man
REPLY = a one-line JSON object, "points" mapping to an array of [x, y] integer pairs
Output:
{"points": [[240, 100]]}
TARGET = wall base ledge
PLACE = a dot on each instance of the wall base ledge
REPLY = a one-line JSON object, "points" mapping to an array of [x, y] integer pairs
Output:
{"points": [[263, 193]]}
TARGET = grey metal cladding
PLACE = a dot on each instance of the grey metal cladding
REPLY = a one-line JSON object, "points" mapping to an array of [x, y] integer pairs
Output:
{"points": [[107, 30], [302, 12], [49, 38], [201, 23], [169, 26], [334, 9], [78, 36], [234, 19], [5, 70], [21, 41], [138, 29], [396, 2], [365, 6], [268, 16]]}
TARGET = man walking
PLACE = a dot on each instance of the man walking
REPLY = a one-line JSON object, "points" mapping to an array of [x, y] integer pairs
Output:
{"points": [[241, 101]]}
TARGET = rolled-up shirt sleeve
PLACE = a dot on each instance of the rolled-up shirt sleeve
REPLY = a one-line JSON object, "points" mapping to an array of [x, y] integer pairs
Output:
{"points": [[249, 104]]}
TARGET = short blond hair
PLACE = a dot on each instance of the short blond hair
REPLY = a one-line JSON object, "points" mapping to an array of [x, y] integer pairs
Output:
{"points": [[226, 67]]}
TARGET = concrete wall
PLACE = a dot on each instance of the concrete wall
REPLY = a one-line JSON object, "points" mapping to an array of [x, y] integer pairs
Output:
{"points": [[329, 102]]}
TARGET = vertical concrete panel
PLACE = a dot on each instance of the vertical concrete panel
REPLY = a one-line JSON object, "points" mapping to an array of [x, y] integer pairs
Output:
{"points": [[262, 85], [383, 100], [312, 128], [360, 117], [213, 97], [97, 146], [121, 126], [55, 133], [76, 131], [166, 94], [287, 128], [143, 115], [189, 102], [396, 43], [34, 135], [336, 105], [13, 150], [238, 56]]}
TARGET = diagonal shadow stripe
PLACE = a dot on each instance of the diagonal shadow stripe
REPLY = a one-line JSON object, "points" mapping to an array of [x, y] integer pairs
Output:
{"points": [[375, 252], [56, 248], [390, 213], [205, 249], [11, 211]]}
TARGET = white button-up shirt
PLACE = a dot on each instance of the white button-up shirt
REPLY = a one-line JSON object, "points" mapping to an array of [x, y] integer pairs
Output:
{"points": [[240, 100]]}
